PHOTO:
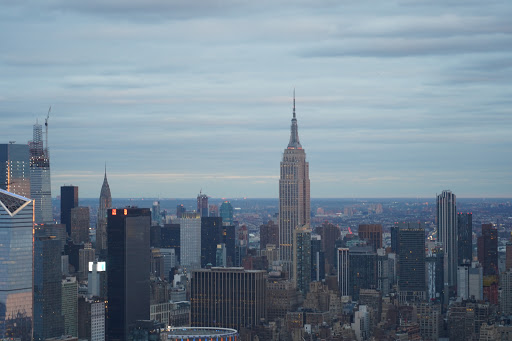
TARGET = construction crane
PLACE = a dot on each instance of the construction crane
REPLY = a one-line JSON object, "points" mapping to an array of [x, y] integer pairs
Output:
{"points": [[46, 132]]}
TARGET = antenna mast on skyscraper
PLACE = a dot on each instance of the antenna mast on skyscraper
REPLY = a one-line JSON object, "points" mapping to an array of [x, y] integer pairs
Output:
{"points": [[46, 132]]}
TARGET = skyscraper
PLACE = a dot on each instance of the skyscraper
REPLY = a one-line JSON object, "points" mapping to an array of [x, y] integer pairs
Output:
{"points": [[294, 198], [302, 258], [80, 221], [465, 238], [228, 297], [48, 319], [411, 282], [68, 200], [211, 236], [226, 213], [190, 240], [128, 269], [269, 234], [372, 233], [488, 250], [343, 271], [447, 234], [105, 204], [202, 204], [14, 169], [16, 214], [40, 183]]}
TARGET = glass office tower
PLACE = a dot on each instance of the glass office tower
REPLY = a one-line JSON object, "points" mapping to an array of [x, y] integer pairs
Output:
{"points": [[16, 223]]}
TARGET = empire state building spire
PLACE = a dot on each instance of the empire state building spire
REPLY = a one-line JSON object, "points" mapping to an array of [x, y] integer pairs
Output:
{"points": [[294, 199], [294, 134]]}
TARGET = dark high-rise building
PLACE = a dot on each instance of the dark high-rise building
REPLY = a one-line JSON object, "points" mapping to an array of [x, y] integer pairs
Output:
{"points": [[229, 240], [302, 259], [447, 234], [465, 238], [317, 259], [269, 234], [226, 213], [343, 271], [329, 234], [435, 273], [227, 297], [48, 319], [211, 236], [80, 222], [180, 209], [372, 233], [202, 205], [362, 269], [16, 224], [294, 194], [128, 269], [488, 250], [101, 226], [15, 169], [170, 238], [411, 281], [68, 200], [40, 184]]}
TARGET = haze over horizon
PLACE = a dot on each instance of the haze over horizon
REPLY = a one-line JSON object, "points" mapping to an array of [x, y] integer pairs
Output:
{"points": [[394, 100]]}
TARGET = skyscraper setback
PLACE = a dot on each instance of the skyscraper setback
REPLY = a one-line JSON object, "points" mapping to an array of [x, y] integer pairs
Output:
{"points": [[294, 199]]}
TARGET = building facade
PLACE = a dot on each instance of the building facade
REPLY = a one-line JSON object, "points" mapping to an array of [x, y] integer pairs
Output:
{"points": [[68, 201], [294, 194], [302, 259], [190, 239], [16, 214], [228, 297], [15, 169], [465, 238], [447, 234], [411, 283], [128, 269]]}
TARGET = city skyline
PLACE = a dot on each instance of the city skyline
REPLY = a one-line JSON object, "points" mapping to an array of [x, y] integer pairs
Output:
{"points": [[399, 100]]}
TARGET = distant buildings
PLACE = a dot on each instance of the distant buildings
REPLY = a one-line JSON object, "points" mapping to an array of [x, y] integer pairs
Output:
{"points": [[488, 250], [294, 195]]}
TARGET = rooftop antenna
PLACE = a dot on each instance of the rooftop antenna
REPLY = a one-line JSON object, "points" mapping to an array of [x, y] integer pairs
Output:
{"points": [[46, 131], [293, 102]]}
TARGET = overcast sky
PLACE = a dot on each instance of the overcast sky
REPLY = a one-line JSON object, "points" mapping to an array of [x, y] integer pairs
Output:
{"points": [[394, 98]]}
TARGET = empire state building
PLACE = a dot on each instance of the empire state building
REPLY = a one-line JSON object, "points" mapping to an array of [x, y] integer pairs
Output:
{"points": [[294, 200]]}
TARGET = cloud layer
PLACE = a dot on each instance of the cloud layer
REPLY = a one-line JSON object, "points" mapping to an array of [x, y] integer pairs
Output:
{"points": [[403, 98]]}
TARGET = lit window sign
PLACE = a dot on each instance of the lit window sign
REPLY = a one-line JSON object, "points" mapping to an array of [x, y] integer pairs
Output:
{"points": [[100, 266], [114, 211], [125, 211]]}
